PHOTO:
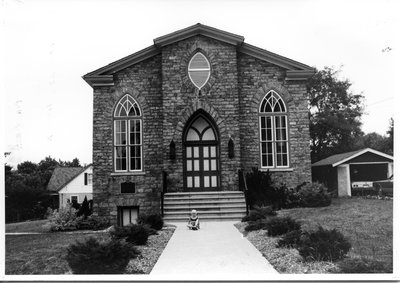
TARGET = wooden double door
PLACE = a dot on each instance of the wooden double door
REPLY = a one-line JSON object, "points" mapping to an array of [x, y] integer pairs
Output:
{"points": [[201, 155]]}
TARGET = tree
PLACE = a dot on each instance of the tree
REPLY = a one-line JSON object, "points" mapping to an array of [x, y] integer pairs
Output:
{"points": [[335, 114], [27, 167], [74, 163], [46, 168]]}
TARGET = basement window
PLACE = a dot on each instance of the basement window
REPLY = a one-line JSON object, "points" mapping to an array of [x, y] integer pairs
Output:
{"points": [[199, 70]]}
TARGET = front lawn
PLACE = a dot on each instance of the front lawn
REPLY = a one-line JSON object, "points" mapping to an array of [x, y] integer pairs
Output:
{"points": [[45, 253], [35, 226], [367, 223]]}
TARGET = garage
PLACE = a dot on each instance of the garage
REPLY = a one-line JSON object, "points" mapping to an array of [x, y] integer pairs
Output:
{"points": [[353, 173]]}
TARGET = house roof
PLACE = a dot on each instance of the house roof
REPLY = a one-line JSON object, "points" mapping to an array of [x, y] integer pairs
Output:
{"points": [[64, 175], [341, 158], [104, 75]]}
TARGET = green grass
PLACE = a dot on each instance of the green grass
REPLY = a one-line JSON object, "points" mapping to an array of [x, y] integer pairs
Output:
{"points": [[36, 226], [40, 254], [367, 223], [45, 253]]}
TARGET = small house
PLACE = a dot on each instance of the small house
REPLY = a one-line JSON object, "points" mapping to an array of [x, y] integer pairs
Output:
{"points": [[72, 184]]}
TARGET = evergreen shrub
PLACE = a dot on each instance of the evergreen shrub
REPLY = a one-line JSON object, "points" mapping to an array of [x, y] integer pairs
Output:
{"points": [[94, 257], [135, 233], [155, 221], [290, 239], [281, 225], [323, 245], [258, 213]]}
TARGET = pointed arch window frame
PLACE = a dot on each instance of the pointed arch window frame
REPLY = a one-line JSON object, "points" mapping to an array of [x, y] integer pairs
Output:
{"points": [[273, 132], [127, 136], [199, 69]]}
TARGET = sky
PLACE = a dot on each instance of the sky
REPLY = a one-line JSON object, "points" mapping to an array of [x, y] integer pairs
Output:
{"points": [[47, 46]]}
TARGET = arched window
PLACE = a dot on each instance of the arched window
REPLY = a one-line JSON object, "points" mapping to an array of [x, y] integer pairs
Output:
{"points": [[128, 136], [199, 70], [274, 146]]}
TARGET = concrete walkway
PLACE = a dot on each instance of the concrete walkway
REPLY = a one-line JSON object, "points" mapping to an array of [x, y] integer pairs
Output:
{"points": [[218, 249]]}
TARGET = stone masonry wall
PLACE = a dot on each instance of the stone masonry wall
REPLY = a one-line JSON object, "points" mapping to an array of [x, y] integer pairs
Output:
{"points": [[256, 78], [143, 83], [168, 99], [219, 98]]}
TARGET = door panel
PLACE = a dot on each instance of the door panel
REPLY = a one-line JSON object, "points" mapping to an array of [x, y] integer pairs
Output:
{"points": [[201, 156]]}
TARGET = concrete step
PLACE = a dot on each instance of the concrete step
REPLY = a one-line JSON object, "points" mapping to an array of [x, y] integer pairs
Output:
{"points": [[204, 202], [204, 207], [213, 206], [194, 199], [214, 212], [205, 218], [203, 194]]}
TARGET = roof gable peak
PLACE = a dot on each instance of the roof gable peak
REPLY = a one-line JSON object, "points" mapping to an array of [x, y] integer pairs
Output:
{"points": [[199, 29]]}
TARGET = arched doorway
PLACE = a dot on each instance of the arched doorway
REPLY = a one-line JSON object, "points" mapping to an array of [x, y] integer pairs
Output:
{"points": [[201, 154]]}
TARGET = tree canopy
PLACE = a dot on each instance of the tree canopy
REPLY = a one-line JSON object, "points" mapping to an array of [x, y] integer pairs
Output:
{"points": [[335, 114], [26, 188]]}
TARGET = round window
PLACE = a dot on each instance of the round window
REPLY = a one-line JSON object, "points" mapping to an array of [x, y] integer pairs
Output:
{"points": [[199, 70]]}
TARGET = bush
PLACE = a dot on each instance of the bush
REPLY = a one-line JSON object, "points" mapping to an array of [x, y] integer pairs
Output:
{"points": [[259, 213], [93, 222], [253, 226], [64, 219], [363, 265], [135, 233], [328, 245], [314, 195], [281, 225], [260, 189], [290, 239], [84, 209], [155, 221], [93, 257]]}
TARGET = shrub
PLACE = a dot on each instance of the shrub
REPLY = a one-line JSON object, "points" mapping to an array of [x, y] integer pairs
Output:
{"points": [[253, 226], [93, 257], [329, 245], [281, 225], [259, 212], [155, 221], [84, 209], [93, 222], [314, 195], [363, 265], [260, 188], [135, 233], [64, 219], [290, 239]]}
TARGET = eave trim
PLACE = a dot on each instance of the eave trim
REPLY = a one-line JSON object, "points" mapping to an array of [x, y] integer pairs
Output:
{"points": [[199, 29], [297, 75], [99, 80], [273, 58], [361, 153]]}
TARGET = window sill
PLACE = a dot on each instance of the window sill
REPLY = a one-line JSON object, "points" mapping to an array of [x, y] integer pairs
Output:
{"points": [[276, 169], [127, 173]]}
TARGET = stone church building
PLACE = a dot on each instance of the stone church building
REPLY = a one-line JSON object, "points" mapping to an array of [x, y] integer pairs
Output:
{"points": [[180, 118]]}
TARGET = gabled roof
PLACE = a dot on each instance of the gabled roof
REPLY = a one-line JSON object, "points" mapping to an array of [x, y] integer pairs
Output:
{"points": [[104, 76], [64, 175], [341, 158]]}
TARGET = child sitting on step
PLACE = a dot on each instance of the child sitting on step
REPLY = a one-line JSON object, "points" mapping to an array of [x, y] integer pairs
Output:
{"points": [[193, 223]]}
